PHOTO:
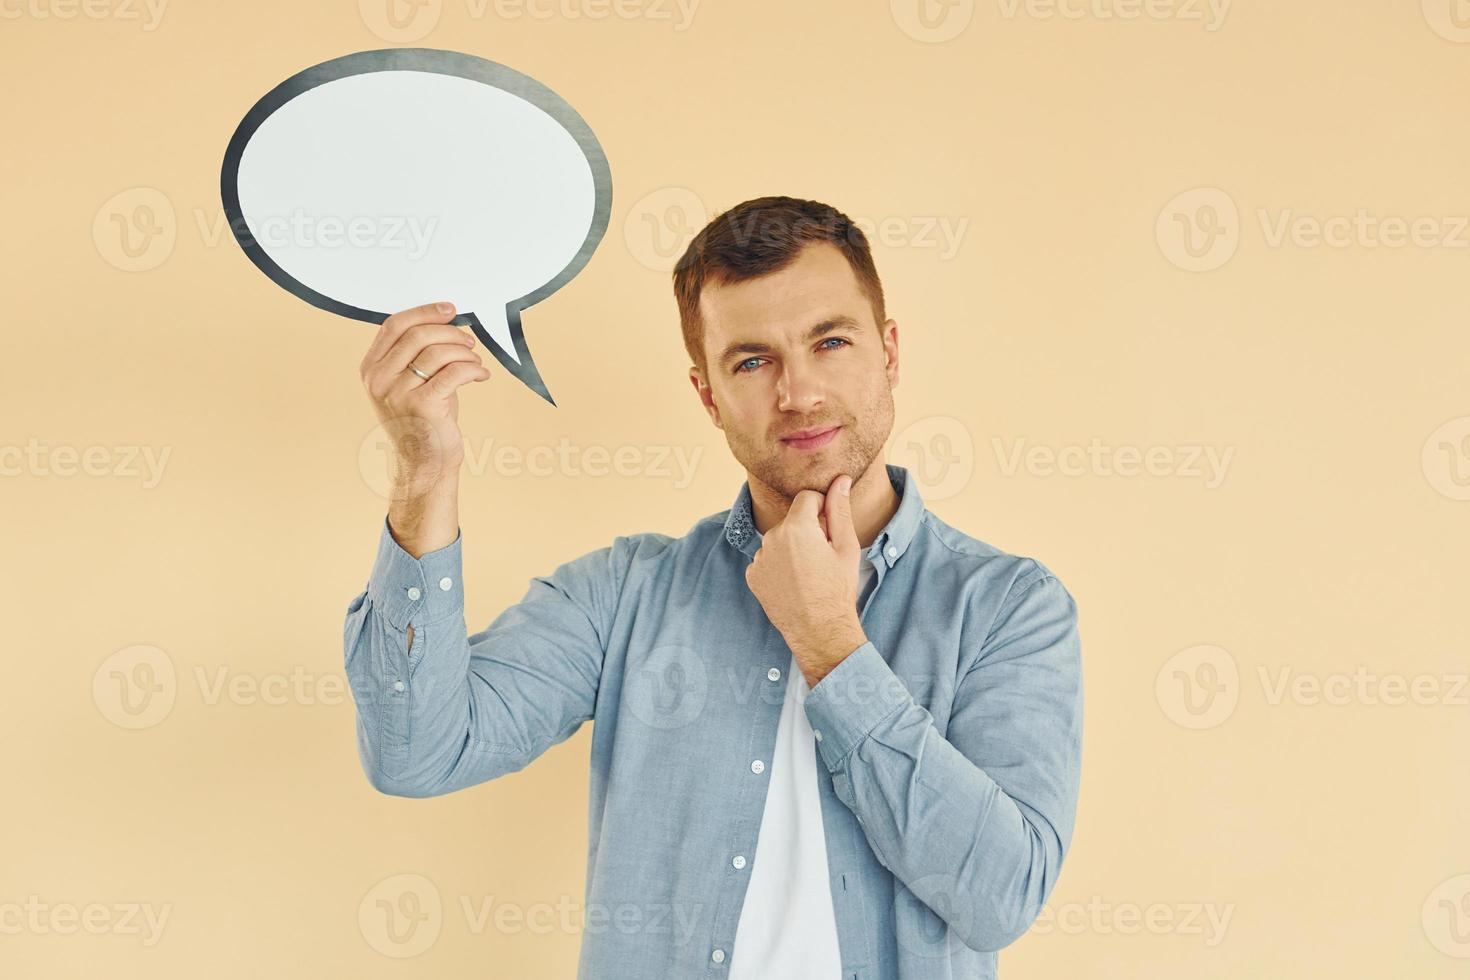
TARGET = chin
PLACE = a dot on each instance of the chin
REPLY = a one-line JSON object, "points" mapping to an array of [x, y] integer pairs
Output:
{"points": [[819, 481]]}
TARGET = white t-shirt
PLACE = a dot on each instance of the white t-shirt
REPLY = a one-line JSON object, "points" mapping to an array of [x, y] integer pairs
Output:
{"points": [[787, 929]]}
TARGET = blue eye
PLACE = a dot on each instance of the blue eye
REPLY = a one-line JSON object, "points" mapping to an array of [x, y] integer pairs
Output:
{"points": [[740, 368]]}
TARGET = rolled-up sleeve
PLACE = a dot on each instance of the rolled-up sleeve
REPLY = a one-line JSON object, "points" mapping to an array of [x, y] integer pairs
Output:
{"points": [[976, 821], [454, 710]]}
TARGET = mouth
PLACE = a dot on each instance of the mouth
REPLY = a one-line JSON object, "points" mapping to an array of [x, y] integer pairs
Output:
{"points": [[811, 438]]}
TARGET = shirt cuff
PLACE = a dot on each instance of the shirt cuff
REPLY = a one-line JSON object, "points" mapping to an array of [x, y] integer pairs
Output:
{"points": [[851, 700], [416, 591]]}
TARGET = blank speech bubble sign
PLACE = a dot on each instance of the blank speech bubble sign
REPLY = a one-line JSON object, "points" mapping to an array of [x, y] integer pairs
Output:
{"points": [[387, 179]]}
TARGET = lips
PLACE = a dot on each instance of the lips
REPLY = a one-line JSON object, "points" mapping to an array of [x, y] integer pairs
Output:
{"points": [[811, 438]]}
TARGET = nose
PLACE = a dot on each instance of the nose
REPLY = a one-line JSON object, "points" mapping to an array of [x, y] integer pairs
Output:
{"points": [[798, 389]]}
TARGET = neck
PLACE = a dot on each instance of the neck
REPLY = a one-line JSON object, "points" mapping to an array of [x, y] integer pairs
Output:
{"points": [[874, 502]]}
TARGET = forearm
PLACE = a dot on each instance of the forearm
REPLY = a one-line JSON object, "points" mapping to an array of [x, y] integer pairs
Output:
{"points": [[413, 696], [450, 710], [423, 516], [982, 858], [423, 513]]}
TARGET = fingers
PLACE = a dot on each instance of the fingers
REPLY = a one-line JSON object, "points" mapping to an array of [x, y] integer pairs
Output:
{"points": [[394, 327], [415, 340], [447, 379], [422, 337], [431, 360], [806, 506], [837, 509]]}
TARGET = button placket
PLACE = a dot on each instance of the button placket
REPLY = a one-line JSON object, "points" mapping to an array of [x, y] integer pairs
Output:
{"points": [[744, 829]]}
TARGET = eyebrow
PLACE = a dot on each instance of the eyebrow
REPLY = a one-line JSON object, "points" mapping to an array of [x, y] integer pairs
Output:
{"points": [[839, 322]]}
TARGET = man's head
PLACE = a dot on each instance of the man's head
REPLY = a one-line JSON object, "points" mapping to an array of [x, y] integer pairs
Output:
{"points": [[783, 317]]}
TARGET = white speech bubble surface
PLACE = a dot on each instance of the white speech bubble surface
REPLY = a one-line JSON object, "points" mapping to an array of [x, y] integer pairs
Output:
{"points": [[387, 179]]}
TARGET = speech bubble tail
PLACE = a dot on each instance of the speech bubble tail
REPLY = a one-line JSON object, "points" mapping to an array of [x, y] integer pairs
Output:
{"points": [[519, 363]]}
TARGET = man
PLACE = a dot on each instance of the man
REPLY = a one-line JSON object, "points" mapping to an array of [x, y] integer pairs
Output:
{"points": [[834, 736]]}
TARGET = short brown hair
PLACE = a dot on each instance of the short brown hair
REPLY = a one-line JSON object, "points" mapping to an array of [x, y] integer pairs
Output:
{"points": [[758, 237]]}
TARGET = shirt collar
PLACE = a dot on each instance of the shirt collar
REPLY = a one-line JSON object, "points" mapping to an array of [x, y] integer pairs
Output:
{"points": [[891, 542]]}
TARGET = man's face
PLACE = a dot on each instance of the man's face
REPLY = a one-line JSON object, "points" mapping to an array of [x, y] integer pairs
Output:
{"points": [[795, 351]]}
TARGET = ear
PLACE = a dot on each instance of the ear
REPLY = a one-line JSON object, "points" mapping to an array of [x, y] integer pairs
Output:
{"points": [[706, 395], [890, 350]]}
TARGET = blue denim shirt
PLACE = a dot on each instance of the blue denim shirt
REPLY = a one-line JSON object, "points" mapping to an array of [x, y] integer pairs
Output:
{"points": [[949, 745]]}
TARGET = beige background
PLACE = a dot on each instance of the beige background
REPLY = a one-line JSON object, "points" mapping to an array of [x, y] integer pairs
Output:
{"points": [[1278, 738]]}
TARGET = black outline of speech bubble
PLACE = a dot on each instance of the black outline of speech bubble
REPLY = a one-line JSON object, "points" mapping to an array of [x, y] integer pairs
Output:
{"points": [[440, 62]]}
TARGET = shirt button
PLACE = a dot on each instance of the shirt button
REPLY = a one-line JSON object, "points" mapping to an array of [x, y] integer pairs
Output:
{"points": [[446, 583], [892, 552], [738, 861], [774, 673], [397, 685], [817, 734], [414, 593], [718, 956], [757, 767]]}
